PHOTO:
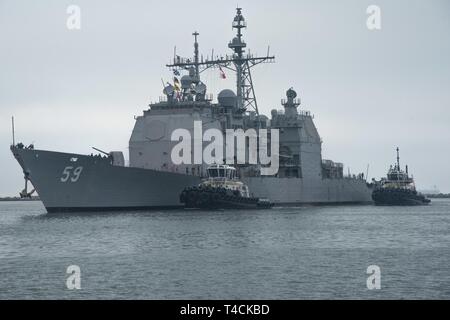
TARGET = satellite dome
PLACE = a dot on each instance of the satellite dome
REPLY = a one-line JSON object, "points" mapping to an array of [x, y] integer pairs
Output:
{"points": [[186, 81], [227, 98], [225, 93]]}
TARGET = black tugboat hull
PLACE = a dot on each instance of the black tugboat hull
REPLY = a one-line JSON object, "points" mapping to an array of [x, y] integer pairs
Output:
{"points": [[398, 197], [203, 198]]}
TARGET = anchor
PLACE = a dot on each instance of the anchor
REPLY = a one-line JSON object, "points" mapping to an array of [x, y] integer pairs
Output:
{"points": [[24, 193]]}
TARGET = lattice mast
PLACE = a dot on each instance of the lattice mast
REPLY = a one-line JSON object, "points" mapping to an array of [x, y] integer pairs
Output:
{"points": [[239, 62]]}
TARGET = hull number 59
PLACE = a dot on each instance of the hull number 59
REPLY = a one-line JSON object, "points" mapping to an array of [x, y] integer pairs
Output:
{"points": [[71, 173]]}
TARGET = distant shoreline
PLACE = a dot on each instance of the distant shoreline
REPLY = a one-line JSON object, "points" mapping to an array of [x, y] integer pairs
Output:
{"points": [[438, 196], [19, 199]]}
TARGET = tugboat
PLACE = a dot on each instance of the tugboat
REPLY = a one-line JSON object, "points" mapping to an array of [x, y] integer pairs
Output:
{"points": [[221, 189], [398, 188]]}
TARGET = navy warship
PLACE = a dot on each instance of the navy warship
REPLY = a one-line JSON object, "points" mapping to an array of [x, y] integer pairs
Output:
{"points": [[77, 182], [398, 188]]}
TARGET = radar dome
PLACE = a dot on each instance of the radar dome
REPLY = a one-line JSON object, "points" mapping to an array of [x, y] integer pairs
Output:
{"points": [[227, 98], [291, 93], [186, 81]]}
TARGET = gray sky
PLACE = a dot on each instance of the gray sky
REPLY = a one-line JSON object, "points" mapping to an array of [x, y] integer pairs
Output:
{"points": [[370, 91]]}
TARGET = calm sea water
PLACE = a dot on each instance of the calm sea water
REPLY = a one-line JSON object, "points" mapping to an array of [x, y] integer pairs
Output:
{"points": [[281, 253]]}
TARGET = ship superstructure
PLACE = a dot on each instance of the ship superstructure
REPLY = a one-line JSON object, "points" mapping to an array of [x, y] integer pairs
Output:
{"points": [[80, 182], [187, 100]]}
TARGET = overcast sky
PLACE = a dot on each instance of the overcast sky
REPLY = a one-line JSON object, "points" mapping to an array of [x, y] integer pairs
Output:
{"points": [[370, 91]]}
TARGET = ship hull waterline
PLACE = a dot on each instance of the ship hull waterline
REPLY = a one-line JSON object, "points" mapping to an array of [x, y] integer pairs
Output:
{"points": [[101, 186]]}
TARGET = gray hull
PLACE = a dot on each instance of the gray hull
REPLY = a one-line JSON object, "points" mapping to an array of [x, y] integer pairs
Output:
{"points": [[295, 191], [103, 186]]}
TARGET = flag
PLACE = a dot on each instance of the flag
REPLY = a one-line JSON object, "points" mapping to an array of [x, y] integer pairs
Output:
{"points": [[222, 74], [176, 72], [176, 84]]}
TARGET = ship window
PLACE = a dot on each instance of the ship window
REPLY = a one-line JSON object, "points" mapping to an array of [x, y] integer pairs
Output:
{"points": [[212, 173]]}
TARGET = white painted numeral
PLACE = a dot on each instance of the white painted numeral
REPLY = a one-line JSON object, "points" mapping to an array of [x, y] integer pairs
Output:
{"points": [[74, 176], [66, 174]]}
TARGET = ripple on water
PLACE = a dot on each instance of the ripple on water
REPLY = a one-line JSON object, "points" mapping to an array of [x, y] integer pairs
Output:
{"points": [[291, 253]]}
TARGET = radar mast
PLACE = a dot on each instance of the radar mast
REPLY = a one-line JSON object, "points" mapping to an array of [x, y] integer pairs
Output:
{"points": [[239, 63], [197, 74]]}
